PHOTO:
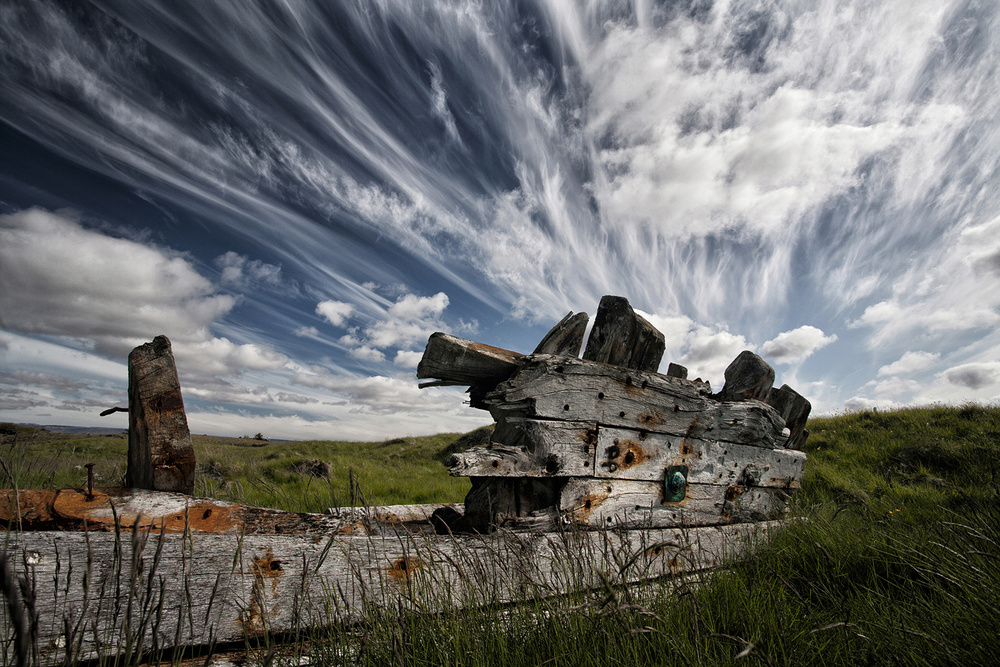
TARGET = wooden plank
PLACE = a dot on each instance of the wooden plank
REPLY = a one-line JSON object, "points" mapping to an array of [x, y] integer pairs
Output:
{"points": [[466, 362], [566, 338], [75, 509], [610, 503], [748, 377], [571, 389], [531, 448], [643, 455], [391, 514], [794, 410], [621, 337], [160, 453], [179, 589]]}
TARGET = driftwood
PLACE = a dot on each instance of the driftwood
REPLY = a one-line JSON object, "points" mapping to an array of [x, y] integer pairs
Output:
{"points": [[607, 441]]}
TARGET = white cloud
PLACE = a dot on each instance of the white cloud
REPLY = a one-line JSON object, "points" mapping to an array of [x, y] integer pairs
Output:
{"points": [[240, 270], [797, 345], [110, 294], [366, 353], [910, 362], [411, 307], [59, 278], [307, 332], [407, 358], [974, 375], [335, 312], [862, 404], [406, 323]]}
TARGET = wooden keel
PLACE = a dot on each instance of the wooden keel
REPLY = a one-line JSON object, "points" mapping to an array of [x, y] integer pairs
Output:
{"points": [[170, 589]]}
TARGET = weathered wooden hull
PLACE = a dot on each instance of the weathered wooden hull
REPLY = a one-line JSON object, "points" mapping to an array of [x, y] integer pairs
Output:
{"points": [[109, 592]]}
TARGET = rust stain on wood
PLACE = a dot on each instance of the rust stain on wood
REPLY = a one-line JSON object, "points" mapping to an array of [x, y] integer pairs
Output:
{"points": [[629, 454], [734, 492], [651, 418], [403, 568]]}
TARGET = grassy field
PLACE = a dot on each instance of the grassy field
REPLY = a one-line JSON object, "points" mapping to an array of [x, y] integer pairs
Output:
{"points": [[895, 558], [306, 476]]}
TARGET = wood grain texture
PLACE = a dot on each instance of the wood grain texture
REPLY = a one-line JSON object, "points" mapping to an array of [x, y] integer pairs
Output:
{"points": [[565, 338], [160, 453], [531, 448], [622, 337], [175, 589], [461, 361], [644, 456], [621, 503], [794, 409], [557, 388]]}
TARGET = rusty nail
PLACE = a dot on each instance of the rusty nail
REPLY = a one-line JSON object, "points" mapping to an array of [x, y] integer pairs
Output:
{"points": [[90, 481]]}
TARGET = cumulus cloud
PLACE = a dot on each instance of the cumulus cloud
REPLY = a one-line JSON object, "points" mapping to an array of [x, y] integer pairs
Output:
{"points": [[307, 332], [407, 358], [60, 278], [974, 375], [910, 362], [382, 395], [406, 323], [237, 269], [57, 277], [366, 353], [334, 312], [862, 404], [797, 345]]}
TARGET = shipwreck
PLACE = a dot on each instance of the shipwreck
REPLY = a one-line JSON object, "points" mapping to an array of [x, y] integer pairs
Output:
{"points": [[599, 469]]}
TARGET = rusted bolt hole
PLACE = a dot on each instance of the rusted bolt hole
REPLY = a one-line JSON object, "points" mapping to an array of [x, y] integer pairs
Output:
{"points": [[275, 566], [645, 383], [628, 380], [587, 504], [496, 464], [629, 458], [207, 514]]}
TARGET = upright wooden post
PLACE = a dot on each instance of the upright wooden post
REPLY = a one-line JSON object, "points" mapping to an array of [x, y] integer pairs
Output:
{"points": [[160, 453]]}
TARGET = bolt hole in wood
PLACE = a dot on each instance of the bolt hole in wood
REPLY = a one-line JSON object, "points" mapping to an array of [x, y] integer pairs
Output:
{"points": [[600, 395], [629, 458], [566, 407], [622, 414], [496, 464]]}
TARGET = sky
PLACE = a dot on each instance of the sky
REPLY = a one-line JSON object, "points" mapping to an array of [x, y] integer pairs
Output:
{"points": [[298, 193]]}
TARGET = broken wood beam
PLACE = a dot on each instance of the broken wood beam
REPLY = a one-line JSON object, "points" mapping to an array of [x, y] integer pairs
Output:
{"points": [[160, 454], [621, 337], [748, 377], [794, 409], [466, 362], [566, 338]]}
